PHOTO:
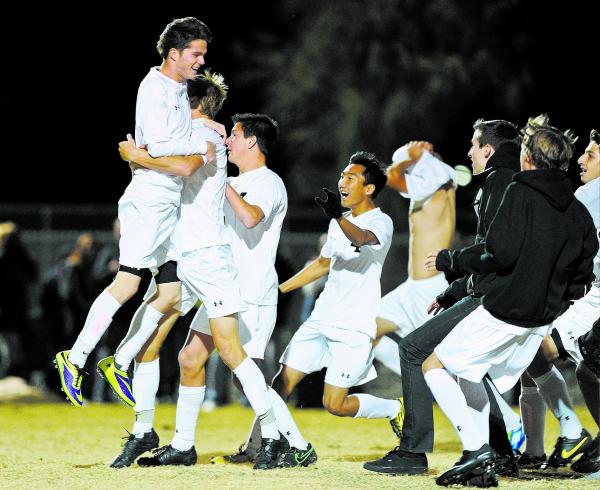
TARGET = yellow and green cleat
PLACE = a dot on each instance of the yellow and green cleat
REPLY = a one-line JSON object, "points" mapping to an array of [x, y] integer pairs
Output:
{"points": [[70, 378], [398, 421], [118, 380]]}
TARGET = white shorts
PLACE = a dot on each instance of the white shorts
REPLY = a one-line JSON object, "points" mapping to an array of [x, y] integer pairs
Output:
{"points": [[256, 326], [482, 344], [145, 232], [347, 354], [210, 275], [578, 320], [406, 305]]}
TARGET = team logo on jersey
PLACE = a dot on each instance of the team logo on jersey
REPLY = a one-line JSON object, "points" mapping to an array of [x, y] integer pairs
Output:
{"points": [[218, 303]]}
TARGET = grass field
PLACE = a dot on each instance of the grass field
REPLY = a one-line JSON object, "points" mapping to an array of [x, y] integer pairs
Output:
{"points": [[59, 446]]}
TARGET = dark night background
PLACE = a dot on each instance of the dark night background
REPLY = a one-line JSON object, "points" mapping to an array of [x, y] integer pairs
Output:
{"points": [[338, 76]]}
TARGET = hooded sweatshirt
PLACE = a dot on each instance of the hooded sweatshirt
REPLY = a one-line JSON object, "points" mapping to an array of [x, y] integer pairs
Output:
{"points": [[499, 172], [541, 245]]}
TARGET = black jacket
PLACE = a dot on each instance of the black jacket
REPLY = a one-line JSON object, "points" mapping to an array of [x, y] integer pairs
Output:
{"points": [[500, 169], [541, 245]]}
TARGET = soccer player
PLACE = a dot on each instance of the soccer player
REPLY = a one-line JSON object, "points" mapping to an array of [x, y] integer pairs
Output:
{"points": [[430, 184], [207, 270], [494, 153], [541, 245], [340, 330], [149, 207], [564, 342]]}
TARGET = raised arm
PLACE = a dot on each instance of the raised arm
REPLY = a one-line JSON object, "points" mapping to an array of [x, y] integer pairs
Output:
{"points": [[313, 271], [395, 172]]}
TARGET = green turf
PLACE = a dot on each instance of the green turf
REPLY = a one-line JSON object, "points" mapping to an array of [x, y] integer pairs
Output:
{"points": [[59, 446]]}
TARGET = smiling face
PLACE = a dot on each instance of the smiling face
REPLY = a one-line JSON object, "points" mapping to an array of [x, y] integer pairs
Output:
{"points": [[589, 163], [189, 60], [352, 188]]}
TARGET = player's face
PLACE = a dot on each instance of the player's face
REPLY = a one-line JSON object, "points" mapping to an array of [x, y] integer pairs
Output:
{"points": [[352, 185], [477, 154], [589, 163], [236, 143], [189, 60]]}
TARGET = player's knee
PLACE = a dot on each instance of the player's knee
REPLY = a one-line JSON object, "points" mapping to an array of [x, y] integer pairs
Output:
{"points": [[190, 363], [334, 407]]}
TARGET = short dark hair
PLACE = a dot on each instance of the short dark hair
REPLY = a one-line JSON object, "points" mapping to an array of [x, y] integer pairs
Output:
{"points": [[180, 33], [547, 146], [209, 91], [595, 137], [261, 126], [496, 132], [374, 171]]}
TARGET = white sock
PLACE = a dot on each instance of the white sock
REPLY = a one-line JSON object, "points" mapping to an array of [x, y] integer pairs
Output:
{"points": [[372, 407], [533, 411], [98, 320], [452, 401], [511, 419], [146, 378], [553, 388], [189, 402], [255, 389], [479, 405], [285, 422], [143, 324], [387, 353]]}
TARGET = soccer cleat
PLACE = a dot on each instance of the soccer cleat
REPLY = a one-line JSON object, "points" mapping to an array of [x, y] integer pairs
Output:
{"points": [[474, 467], [240, 457], [516, 438], [399, 462], [590, 460], [135, 447], [507, 465], [398, 421], [297, 457], [527, 462], [70, 378], [118, 380], [566, 449], [268, 456], [168, 455]]}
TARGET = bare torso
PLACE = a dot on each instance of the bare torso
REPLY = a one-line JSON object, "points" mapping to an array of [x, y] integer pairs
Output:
{"points": [[432, 226]]}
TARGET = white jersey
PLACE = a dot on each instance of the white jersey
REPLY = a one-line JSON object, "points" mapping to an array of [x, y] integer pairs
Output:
{"points": [[163, 122], [255, 249], [201, 215], [589, 196], [350, 299], [425, 176]]}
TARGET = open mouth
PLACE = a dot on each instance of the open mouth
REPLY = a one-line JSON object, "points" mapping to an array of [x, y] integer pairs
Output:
{"points": [[344, 194]]}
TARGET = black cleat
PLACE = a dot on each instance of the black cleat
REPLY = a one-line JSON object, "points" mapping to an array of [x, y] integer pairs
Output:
{"points": [[506, 465], [297, 457], [473, 468], [399, 462], [268, 456], [135, 447], [168, 455], [566, 449], [527, 462], [590, 460]]}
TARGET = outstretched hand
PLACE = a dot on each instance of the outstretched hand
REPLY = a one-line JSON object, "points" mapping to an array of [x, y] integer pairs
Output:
{"points": [[332, 205]]}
